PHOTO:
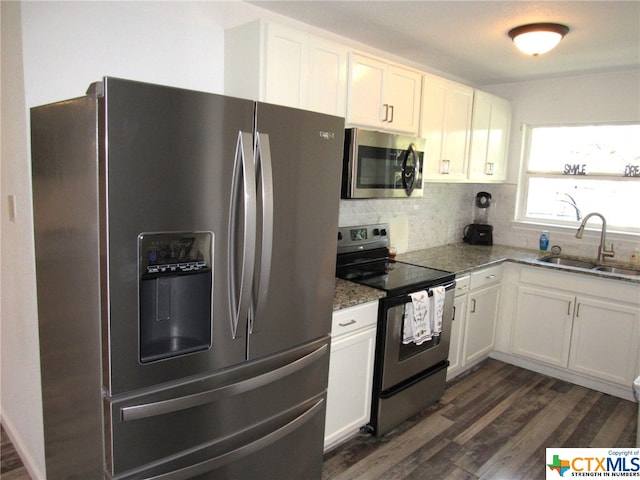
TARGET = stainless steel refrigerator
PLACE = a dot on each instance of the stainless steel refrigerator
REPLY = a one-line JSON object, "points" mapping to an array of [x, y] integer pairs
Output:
{"points": [[185, 254]]}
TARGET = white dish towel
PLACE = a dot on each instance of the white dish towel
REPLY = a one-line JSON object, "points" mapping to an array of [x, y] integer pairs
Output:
{"points": [[423, 316], [417, 318], [437, 310]]}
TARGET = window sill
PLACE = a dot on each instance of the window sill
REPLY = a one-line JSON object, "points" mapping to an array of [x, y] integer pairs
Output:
{"points": [[590, 230]]}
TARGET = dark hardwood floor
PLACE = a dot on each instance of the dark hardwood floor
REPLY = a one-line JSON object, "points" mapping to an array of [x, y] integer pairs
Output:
{"points": [[11, 467], [493, 423]]}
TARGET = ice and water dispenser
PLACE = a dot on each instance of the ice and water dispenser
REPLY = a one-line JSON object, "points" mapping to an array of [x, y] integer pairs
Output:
{"points": [[175, 293]]}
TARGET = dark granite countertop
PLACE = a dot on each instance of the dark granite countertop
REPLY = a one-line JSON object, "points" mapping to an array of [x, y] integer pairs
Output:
{"points": [[349, 294], [461, 258]]}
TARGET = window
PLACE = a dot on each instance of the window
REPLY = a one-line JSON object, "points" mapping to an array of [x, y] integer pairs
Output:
{"points": [[574, 170]]}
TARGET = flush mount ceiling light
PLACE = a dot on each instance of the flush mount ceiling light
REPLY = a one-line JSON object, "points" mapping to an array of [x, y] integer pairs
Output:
{"points": [[538, 38]]}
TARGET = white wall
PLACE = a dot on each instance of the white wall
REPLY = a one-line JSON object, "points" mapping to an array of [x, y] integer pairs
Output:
{"points": [[19, 355]]}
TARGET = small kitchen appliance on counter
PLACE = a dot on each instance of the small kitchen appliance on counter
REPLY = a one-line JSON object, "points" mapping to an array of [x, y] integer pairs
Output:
{"points": [[408, 376], [480, 232]]}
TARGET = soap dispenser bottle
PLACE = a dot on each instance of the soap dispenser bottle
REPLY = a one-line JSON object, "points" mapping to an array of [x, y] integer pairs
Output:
{"points": [[544, 241]]}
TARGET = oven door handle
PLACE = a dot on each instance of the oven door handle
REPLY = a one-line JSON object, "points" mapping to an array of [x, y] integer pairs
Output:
{"points": [[450, 285]]}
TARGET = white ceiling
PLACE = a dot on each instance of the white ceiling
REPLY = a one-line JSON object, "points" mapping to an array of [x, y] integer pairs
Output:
{"points": [[468, 39]]}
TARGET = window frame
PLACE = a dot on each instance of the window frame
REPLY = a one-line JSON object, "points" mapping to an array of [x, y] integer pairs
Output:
{"points": [[525, 175]]}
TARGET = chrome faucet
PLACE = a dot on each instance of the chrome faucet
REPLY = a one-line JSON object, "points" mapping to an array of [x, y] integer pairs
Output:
{"points": [[602, 248]]}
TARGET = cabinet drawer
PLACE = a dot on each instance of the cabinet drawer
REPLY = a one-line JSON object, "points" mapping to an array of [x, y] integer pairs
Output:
{"points": [[354, 318], [485, 277], [462, 285]]}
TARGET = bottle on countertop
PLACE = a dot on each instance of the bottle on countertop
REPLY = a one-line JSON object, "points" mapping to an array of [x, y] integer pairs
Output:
{"points": [[544, 241]]}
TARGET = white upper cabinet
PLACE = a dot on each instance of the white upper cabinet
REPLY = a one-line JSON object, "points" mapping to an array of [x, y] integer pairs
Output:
{"points": [[383, 96], [276, 64], [446, 126], [490, 126]]}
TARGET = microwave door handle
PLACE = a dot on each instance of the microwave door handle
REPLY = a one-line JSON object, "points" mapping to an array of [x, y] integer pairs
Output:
{"points": [[406, 184]]}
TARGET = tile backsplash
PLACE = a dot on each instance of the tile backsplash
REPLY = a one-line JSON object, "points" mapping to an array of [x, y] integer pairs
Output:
{"points": [[440, 216]]}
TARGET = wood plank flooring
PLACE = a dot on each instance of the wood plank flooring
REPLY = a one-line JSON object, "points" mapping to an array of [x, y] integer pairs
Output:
{"points": [[493, 423], [11, 467]]}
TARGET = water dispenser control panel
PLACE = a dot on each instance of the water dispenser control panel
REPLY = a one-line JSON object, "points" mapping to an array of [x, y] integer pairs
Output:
{"points": [[174, 252]]}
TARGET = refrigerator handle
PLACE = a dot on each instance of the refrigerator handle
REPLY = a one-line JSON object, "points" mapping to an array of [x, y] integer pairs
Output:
{"points": [[245, 194], [264, 173]]}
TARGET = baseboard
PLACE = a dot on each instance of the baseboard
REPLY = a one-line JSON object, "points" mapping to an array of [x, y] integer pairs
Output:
{"points": [[571, 377], [28, 461]]}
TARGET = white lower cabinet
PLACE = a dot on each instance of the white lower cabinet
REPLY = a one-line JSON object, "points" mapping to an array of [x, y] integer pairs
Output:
{"points": [[350, 371], [543, 325], [482, 314], [457, 327], [581, 324], [605, 340]]}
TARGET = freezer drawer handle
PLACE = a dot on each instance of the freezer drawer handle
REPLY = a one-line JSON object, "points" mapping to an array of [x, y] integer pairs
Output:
{"points": [[244, 451], [137, 412]]}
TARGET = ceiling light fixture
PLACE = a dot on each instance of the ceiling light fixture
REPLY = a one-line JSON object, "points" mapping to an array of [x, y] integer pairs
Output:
{"points": [[537, 38]]}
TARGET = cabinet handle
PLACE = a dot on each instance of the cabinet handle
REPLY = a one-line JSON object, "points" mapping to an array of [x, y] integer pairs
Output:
{"points": [[473, 305], [386, 112], [578, 310], [350, 322], [446, 167], [391, 108], [489, 168], [569, 308], [490, 277], [454, 313]]}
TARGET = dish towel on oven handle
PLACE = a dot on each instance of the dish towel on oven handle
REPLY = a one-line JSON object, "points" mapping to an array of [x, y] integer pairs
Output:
{"points": [[417, 319], [437, 310]]}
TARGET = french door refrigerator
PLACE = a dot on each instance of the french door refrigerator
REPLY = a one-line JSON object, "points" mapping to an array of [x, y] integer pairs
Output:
{"points": [[185, 258]]}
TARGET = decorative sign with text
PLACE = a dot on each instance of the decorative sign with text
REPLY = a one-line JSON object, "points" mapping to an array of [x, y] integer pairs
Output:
{"points": [[632, 171], [575, 169]]}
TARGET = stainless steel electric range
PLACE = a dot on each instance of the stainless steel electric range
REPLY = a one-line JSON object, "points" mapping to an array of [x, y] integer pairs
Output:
{"points": [[408, 376]]}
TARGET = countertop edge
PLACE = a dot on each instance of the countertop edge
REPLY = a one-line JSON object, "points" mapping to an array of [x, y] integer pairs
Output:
{"points": [[462, 259]]}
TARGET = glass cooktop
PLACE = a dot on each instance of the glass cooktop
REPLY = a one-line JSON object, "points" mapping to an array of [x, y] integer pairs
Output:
{"points": [[397, 278]]}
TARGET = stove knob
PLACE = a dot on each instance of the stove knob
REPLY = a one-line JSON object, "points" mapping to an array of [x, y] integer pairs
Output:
{"points": [[383, 232], [339, 236], [376, 231]]}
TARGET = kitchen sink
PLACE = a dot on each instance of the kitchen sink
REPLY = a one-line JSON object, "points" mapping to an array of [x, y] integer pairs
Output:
{"points": [[614, 269], [569, 261], [590, 264]]}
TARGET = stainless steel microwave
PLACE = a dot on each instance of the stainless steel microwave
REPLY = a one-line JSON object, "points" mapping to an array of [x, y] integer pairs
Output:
{"points": [[381, 165]]}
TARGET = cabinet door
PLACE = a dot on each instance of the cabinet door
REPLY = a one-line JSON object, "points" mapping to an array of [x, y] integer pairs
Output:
{"points": [[482, 312], [327, 77], [457, 336], [350, 384], [446, 125], [605, 340], [366, 91], [543, 325], [402, 100], [286, 67], [490, 126]]}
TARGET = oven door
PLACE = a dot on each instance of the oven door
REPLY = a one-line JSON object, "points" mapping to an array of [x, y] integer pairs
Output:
{"points": [[399, 362], [381, 165]]}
